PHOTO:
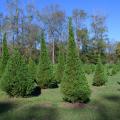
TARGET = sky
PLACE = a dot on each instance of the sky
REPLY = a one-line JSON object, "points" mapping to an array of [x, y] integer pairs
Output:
{"points": [[109, 8]]}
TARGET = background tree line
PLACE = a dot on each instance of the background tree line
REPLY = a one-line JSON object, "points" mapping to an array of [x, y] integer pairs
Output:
{"points": [[24, 27]]}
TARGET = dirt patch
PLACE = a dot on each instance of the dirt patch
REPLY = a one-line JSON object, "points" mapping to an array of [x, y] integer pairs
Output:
{"points": [[46, 105], [73, 105]]}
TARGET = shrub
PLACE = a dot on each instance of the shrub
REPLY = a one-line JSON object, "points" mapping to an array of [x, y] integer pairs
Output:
{"points": [[36, 91], [53, 84]]}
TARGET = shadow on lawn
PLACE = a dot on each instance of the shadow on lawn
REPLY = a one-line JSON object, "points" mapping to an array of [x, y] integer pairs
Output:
{"points": [[113, 98], [118, 89], [6, 106], [35, 112], [109, 111]]}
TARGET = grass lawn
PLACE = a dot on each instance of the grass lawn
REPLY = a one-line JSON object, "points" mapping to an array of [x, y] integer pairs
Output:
{"points": [[104, 105]]}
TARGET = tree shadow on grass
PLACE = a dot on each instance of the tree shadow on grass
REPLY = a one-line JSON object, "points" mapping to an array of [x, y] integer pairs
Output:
{"points": [[113, 98], [35, 112], [109, 111], [6, 106], [118, 89]]}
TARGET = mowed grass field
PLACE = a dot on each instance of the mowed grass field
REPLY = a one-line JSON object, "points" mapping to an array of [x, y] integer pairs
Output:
{"points": [[104, 105]]}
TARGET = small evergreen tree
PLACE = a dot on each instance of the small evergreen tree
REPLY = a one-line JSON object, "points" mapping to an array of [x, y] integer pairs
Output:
{"points": [[32, 69], [87, 68], [93, 68], [54, 82], [16, 80], [44, 70], [118, 66], [5, 55], [108, 70], [60, 66], [55, 71], [100, 76], [114, 69], [74, 85]]}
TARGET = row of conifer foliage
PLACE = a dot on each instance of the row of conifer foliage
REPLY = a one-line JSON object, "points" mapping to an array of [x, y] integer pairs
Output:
{"points": [[19, 78]]}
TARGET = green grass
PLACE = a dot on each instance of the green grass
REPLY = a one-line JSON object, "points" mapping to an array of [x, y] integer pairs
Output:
{"points": [[104, 105]]}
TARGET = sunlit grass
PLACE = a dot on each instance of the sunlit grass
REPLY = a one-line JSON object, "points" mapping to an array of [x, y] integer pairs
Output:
{"points": [[104, 105]]}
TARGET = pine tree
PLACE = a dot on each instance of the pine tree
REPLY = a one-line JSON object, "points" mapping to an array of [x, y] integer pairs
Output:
{"points": [[60, 66], [32, 69], [114, 69], [118, 65], [100, 76], [74, 85], [16, 80], [44, 70], [5, 55]]}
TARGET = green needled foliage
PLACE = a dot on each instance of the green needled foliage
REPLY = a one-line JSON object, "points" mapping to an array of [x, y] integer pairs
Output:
{"points": [[5, 55], [115, 69], [44, 70], [32, 69], [60, 66], [16, 80], [74, 85], [100, 76]]}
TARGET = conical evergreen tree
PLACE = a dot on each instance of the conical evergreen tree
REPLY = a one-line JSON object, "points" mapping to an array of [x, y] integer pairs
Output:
{"points": [[118, 65], [44, 70], [60, 66], [100, 76], [114, 69], [16, 80], [5, 55], [32, 69], [74, 85]]}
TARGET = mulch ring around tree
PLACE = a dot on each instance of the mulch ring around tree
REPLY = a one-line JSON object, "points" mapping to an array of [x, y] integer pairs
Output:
{"points": [[72, 105]]}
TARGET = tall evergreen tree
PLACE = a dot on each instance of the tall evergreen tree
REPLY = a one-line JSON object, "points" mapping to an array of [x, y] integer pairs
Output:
{"points": [[100, 76], [5, 55], [74, 85], [44, 70], [16, 80], [60, 66]]}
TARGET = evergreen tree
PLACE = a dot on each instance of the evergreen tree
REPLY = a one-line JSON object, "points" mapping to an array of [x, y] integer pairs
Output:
{"points": [[5, 55], [118, 65], [74, 85], [87, 68], [114, 69], [16, 80], [32, 69], [44, 70], [108, 70], [60, 66], [100, 76]]}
